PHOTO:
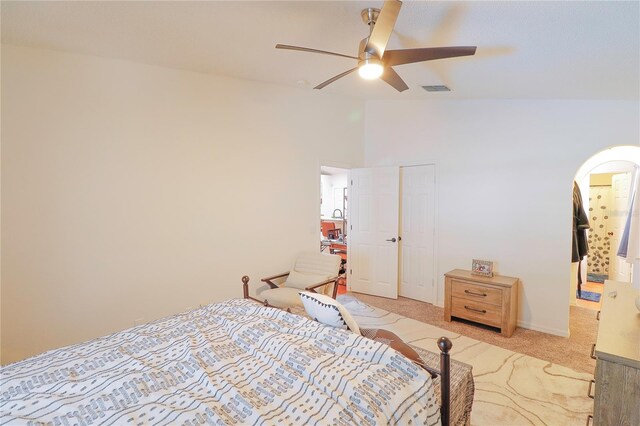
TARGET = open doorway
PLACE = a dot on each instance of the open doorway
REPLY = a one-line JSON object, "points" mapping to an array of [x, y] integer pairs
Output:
{"points": [[607, 184], [334, 217]]}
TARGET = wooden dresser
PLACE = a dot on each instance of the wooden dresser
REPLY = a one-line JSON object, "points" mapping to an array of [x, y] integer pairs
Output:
{"points": [[617, 352], [491, 301]]}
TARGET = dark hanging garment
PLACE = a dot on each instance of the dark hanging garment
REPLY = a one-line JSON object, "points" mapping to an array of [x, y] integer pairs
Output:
{"points": [[579, 247]]}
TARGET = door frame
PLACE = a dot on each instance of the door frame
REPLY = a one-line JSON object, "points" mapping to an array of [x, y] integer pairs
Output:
{"points": [[620, 153]]}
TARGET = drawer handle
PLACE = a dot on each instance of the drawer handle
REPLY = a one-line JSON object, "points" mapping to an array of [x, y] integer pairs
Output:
{"points": [[475, 310], [593, 351], [598, 316], [591, 383], [589, 419], [475, 294]]}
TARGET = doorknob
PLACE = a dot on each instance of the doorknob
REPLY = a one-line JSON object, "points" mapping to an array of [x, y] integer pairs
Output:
{"points": [[393, 240]]}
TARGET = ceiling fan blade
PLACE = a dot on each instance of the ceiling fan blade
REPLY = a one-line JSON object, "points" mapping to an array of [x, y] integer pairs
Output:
{"points": [[306, 49], [408, 56], [390, 76], [383, 28], [332, 79]]}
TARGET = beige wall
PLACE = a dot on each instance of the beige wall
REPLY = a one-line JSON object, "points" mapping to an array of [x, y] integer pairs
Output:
{"points": [[600, 179], [134, 192], [492, 203]]}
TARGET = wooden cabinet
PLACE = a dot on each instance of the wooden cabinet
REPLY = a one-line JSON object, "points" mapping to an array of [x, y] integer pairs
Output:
{"points": [[487, 300], [617, 352]]}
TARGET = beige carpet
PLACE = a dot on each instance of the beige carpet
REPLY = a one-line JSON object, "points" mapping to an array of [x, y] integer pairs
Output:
{"points": [[573, 352], [511, 389]]}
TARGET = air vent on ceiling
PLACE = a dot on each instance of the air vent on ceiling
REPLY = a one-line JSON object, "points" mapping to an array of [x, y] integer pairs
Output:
{"points": [[436, 88]]}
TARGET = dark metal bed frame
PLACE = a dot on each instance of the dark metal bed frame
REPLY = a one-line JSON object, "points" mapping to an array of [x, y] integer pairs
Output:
{"points": [[444, 345]]}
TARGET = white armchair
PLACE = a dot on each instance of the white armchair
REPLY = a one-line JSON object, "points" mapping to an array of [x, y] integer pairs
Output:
{"points": [[312, 271]]}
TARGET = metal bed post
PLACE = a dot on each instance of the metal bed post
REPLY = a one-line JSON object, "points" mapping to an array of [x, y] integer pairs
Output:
{"points": [[445, 379]]}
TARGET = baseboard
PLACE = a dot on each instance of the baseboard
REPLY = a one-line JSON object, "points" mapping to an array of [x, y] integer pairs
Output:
{"points": [[555, 332]]}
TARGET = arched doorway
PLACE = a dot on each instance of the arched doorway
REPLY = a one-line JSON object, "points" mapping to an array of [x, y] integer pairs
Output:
{"points": [[607, 181]]}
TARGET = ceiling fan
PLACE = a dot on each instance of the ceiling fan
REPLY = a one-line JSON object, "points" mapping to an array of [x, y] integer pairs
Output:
{"points": [[376, 62]]}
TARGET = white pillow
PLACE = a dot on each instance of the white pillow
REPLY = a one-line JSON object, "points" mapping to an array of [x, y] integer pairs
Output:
{"points": [[327, 311], [303, 280]]}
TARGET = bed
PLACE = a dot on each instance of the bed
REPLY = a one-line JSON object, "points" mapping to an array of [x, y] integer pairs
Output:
{"points": [[235, 362]]}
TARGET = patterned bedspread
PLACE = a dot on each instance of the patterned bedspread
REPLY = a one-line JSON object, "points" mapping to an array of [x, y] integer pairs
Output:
{"points": [[230, 363]]}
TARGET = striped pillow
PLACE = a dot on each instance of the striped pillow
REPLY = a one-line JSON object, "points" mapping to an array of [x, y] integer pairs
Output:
{"points": [[327, 311]]}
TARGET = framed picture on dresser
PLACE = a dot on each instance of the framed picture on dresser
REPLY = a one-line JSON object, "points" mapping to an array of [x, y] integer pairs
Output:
{"points": [[482, 267]]}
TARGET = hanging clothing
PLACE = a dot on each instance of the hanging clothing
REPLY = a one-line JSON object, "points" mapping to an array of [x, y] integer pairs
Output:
{"points": [[579, 247]]}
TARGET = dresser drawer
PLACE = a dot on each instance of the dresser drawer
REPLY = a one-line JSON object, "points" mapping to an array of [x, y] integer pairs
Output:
{"points": [[476, 293], [484, 313]]}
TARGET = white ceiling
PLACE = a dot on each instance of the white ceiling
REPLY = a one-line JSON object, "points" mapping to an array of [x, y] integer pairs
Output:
{"points": [[540, 49]]}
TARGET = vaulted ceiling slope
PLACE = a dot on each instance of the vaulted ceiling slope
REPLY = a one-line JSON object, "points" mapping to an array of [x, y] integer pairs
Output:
{"points": [[526, 50]]}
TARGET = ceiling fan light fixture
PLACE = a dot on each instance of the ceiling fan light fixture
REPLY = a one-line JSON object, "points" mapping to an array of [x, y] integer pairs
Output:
{"points": [[373, 49], [370, 68]]}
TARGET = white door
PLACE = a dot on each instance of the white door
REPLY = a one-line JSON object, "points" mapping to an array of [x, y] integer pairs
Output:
{"points": [[373, 231], [417, 213], [619, 269]]}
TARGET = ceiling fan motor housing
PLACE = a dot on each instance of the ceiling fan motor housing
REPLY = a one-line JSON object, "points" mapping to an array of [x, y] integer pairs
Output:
{"points": [[370, 15]]}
